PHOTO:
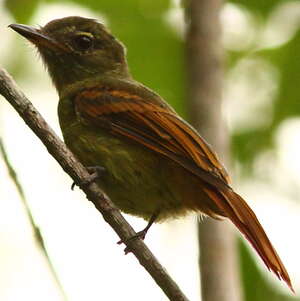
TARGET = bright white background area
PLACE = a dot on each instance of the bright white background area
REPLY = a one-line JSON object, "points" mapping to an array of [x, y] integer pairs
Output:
{"points": [[90, 265]]}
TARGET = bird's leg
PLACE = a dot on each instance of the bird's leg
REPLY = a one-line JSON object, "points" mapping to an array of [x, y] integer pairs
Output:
{"points": [[141, 234], [95, 173]]}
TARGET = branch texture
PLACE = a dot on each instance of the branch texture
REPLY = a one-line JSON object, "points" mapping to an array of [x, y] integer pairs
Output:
{"points": [[79, 174]]}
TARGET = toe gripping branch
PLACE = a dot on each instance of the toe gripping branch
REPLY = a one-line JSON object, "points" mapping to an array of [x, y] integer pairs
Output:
{"points": [[95, 173], [141, 234]]}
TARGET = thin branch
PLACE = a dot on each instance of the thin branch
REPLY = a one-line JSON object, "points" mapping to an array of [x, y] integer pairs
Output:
{"points": [[79, 174], [36, 230]]}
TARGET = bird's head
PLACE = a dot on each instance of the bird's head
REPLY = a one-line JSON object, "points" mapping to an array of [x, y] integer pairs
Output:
{"points": [[76, 49]]}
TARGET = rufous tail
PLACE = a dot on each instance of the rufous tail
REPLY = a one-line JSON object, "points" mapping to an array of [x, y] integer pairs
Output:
{"points": [[237, 210]]}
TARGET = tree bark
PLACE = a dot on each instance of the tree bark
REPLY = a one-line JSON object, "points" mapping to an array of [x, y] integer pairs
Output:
{"points": [[204, 56], [79, 174]]}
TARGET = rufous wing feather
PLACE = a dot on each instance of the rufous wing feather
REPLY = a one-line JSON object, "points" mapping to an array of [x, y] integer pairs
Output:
{"points": [[159, 129], [238, 211]]}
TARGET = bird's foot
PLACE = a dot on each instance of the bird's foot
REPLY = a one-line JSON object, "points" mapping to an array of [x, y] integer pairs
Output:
{"points": [[95, 173], [139, 235]]}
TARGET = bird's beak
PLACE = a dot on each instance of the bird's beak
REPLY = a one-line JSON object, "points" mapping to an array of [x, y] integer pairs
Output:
{"points": [[37, 37]]}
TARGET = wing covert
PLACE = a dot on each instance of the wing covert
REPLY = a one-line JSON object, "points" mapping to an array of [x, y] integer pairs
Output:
{"points": [[154, 126]]}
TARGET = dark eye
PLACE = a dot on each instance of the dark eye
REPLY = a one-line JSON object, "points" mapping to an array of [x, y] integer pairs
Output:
{"points": [[83, 42]]}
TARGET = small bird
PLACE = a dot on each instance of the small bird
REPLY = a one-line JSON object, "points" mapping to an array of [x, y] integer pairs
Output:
{"points": [[156, 165]]}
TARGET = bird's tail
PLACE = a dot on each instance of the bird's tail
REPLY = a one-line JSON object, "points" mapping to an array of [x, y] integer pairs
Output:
{"points": [[236, 209]]}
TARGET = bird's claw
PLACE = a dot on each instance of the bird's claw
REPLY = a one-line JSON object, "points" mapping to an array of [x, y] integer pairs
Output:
{"points": [[95, 173], [141, 235]]}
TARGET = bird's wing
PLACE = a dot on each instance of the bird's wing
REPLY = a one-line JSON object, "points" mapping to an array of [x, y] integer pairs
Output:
{"points": [[154, 126], [159, 129]]}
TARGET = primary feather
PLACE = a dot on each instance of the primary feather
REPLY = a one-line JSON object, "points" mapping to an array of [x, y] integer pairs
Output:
{"points": [[160, 129]]}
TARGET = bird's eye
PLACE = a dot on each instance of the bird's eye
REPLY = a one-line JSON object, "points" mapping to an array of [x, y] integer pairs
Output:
{"points": [[83, 42]]}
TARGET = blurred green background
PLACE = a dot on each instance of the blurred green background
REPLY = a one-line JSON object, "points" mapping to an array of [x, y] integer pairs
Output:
{"points": [[261, 106]]}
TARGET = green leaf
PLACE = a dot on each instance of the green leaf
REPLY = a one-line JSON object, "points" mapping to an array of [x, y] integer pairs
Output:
{"points": [[21, 10], [286, 104], [286, 59], [123, 9], [247, 145]]}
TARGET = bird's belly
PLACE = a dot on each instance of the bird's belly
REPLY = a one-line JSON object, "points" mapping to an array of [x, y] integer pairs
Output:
{"points": [[136, 179]]}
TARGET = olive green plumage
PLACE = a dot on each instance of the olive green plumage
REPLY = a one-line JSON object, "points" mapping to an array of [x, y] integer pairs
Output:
{"points": [[157, 166], [134, 175]]}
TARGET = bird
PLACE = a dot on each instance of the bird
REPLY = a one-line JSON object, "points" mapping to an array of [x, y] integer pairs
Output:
{"points": [[154, 164]]}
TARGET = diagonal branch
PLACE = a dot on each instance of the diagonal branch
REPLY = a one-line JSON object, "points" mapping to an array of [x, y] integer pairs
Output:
{"points": [[79, 174]]}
